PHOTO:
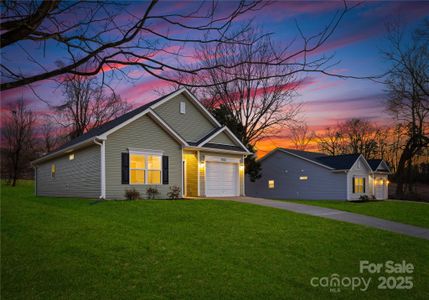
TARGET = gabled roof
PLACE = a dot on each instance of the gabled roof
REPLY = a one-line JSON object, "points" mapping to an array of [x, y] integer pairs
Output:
{"points": [[339, 162], [336, 162], [102, 131], [374, 163], [112, 124], [378, 164]]}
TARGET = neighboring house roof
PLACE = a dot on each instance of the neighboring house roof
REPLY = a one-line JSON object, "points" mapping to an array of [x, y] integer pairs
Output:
{"points": [[336, 162], [339, 162], [374, 163], [125, 118], [378, 164]]}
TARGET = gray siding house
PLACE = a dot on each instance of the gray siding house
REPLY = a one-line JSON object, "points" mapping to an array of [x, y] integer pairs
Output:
{"points": [[172, 141], [293, 174]]}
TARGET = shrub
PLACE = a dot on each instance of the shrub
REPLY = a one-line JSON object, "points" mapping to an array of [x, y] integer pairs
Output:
{"points": [[364, 198], [174, 192], [152, 193], [132, 194]]}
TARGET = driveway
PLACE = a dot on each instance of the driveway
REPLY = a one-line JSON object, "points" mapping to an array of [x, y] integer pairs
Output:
{"points": [[339, 215]]}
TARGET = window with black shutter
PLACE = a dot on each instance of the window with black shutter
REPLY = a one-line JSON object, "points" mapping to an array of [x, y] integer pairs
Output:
{"points": [[164, 169], [125, 168]]}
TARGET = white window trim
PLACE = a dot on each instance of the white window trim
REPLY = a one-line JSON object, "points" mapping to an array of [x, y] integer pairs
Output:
{"points": [[363, 185], [146, 153]]}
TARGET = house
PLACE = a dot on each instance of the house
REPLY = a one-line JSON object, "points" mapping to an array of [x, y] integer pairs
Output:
{"points": [[172, 141], [293, 174]]}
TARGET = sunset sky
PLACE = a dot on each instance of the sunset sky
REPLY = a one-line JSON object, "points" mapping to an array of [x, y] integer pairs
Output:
{"points": [[326, 100]]}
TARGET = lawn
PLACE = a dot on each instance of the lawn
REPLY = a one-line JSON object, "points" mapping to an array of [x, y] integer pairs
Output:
{"points": [[408, 212], [83, 249]]}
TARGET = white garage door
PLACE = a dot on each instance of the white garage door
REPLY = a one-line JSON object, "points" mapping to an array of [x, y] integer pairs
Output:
{"points": [[222, 179]]}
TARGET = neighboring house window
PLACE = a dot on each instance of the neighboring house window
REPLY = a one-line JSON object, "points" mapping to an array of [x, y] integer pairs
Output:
{"points": [[270, 184], [145, 169], [358, 185], [182, 107], [53, 170], [71, 156], [303, 177]]}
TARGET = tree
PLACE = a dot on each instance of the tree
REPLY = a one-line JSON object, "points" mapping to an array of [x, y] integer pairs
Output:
{"points": [[301, 136], [331, 141], [104, 37], [252, 166], [408, 96], [87, 106], [100, 36], [18, 136], [50, 135], [360, 137]]}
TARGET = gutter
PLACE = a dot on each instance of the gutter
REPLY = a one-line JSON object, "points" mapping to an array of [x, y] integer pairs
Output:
{"points": [[217, 150]]}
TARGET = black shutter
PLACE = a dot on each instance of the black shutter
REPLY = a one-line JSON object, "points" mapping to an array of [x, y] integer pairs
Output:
{"points": [[363, 184], [164, 169], [125, 168], [353, 185]]}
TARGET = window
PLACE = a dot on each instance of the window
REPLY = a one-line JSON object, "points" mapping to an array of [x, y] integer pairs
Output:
{"points": [[53, 170], [270, 184], [145, 168], [303, 177], [71, 156], [358, 185], [182, 107]]}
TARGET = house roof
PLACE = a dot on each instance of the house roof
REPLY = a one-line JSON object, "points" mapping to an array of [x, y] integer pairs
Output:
{"points": [[111, 124], [339, 162], [374, 163], [336, 162], [107, 127]]}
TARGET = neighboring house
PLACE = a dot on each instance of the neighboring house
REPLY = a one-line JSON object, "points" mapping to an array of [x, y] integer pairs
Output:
{"points": [[172, 141], [293, 174]]}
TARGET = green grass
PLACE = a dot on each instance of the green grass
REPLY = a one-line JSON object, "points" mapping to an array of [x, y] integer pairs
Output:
{"points": [[407, 212], [79, 249]]}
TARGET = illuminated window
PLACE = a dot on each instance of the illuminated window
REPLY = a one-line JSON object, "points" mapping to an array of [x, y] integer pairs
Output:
{"points": [[358, 185], [53, 170], [182, 107], [145, 169], [270, 184], [303, 177], [71, 156]]}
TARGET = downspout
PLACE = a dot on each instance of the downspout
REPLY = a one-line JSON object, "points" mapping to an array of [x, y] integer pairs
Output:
{"points": [[102, 166], [35, 180]]}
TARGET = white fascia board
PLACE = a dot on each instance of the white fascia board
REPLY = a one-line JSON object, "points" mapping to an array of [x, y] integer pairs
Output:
{"points": [[123, 124], [232, 135], [210, 137], [166, 127], [385, 165]]}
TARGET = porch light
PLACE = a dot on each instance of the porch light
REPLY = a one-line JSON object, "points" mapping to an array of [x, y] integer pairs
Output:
{"points": [[202, 164], [241, 167]]}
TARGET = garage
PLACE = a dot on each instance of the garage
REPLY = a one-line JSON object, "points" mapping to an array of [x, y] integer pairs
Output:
{"points": [[222, 179], [380, 189]]}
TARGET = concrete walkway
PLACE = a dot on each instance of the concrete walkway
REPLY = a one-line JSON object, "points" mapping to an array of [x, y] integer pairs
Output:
{"points": [[339, 215]]}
